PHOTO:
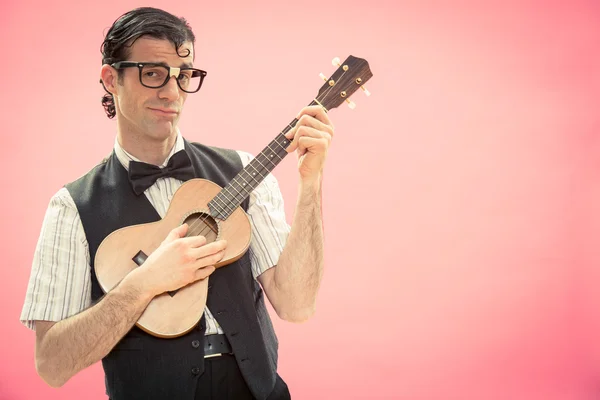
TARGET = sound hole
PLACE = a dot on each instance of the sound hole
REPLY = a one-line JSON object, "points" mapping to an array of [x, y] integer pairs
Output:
{"points": [[202, 224]]}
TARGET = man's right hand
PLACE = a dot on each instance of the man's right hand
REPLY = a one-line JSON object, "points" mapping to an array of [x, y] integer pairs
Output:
{"points": [[178, 261]]}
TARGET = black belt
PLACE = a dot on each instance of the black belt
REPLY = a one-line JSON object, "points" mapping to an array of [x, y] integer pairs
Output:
{"points": [[216, 345]]}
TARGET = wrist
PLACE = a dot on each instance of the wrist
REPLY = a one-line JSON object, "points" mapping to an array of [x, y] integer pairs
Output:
{"points": [[135, 283], [311, 184]]}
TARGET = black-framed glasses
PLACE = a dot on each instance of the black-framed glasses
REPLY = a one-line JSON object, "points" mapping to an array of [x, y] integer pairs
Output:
{"points": [[154, 75]]}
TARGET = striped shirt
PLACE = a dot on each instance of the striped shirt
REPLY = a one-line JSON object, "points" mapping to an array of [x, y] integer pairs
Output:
{"points": [[60, 282]]}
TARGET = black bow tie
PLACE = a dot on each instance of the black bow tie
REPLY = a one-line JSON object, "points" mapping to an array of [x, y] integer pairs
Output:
{"points": [[142, 175]]}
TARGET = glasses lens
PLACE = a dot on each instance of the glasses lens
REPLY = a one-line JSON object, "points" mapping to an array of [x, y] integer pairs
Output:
{"points": [[190, 80], [154, 75]]}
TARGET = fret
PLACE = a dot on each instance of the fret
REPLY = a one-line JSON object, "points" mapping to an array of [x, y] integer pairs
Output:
{"points": [[262, 165], [248, 174], [254, 173], [227, 196], [279, 144], [218, 199], [245, 181], [234, 181], [242, 186], [269, 146], [269, 159]]}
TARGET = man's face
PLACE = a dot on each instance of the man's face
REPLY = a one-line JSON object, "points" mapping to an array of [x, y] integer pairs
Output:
{"points": [[151, 113]]}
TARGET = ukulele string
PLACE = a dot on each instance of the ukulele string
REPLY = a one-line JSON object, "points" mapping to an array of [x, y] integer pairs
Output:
{"points": [[203, 219], [201, 222], [261, 171], [225, 208]]}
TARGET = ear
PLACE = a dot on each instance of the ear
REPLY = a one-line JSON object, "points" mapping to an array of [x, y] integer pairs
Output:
{"points": [[108, 78]]}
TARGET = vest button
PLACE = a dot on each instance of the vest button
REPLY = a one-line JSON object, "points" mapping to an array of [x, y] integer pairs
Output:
{"points": [[195, 344], [195, 370]]}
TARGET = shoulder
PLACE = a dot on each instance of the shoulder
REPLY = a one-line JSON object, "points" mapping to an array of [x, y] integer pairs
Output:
{"points": [[62, 199], [62, 217], [90, 175], [81, 188]]}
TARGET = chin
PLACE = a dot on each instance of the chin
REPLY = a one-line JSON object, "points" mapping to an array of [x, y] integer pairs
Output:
{"points": [[162, 131]]}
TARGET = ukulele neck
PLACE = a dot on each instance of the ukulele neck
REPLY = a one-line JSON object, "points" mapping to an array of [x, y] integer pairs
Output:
{"points": [[240, 187]]}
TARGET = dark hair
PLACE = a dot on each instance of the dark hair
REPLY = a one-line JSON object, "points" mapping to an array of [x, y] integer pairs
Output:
{"points": [[144, 21]]}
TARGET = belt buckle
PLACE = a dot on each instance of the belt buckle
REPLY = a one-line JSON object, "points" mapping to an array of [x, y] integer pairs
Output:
{"points": [[213, 355]]}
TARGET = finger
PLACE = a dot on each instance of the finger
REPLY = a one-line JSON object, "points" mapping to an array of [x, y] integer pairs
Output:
{"points": [[176, 233], [209, 249], [317, 112], [306, 131], [307, 120], [193, 241], [312, 145], [210, 259], [204, 272], [311, 122]]}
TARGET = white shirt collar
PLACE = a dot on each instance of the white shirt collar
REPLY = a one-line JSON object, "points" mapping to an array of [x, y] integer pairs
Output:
{"points": [[124, 157]]}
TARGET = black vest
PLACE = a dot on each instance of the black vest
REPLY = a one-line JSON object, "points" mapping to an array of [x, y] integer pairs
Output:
{"points": [[142, 366]]}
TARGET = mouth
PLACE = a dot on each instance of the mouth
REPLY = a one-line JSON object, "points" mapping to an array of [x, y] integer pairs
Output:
{"points": [[164, 112]]}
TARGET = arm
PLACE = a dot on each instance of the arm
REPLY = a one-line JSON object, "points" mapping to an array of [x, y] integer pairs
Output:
{"points": [[292, 286], [83, 335], [66, 347]]}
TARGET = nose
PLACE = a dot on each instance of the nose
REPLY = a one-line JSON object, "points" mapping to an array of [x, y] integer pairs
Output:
{"points": [[170, 91]]}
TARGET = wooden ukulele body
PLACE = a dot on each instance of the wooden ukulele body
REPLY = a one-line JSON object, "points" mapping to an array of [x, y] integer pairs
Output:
{"points": [[172, 315]]}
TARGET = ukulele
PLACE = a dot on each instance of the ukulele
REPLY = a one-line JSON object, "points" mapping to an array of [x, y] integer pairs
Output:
{"points": [[213, 212]]}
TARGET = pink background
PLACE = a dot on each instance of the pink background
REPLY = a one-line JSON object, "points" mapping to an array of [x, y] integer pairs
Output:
{"points": [[460, 201]]}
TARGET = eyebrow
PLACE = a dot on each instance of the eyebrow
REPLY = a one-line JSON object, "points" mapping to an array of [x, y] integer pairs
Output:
{"points": [[164, 64]]}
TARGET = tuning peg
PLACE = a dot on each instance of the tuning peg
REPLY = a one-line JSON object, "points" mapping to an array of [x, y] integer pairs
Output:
{"points": [[351, 104], [323, 77], [336, 62], [366, 91]]}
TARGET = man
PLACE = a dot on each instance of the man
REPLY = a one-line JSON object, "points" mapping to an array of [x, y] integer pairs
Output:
{"points": [[147, 71]]}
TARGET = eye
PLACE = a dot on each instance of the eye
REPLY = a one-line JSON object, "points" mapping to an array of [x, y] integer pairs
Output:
{"points": [[151, 72], [185, 76]]}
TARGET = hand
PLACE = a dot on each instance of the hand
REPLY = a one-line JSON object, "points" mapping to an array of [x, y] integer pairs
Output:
{"points": [[180, 260], [311, 137]]}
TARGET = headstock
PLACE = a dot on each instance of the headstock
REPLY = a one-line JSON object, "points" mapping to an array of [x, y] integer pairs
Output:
{"points": [[351, 75]]}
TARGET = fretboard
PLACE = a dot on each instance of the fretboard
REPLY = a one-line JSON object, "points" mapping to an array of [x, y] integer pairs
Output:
{"points": [[240, 187]]}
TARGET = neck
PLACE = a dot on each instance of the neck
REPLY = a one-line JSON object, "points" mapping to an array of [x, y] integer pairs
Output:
{"points": [[147, 149]]}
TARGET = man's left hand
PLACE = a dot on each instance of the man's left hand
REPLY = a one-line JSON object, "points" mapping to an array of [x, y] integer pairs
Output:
{"points": [[311, 137]]}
